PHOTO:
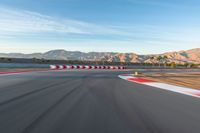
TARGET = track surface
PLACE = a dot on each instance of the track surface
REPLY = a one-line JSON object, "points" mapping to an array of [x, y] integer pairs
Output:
{"points": [[92, 102]]}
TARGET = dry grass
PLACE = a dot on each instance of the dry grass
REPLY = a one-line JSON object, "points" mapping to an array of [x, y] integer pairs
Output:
{"points": [[180, 79]]}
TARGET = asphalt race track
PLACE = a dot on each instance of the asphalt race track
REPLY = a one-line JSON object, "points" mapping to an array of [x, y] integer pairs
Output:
{"points": [[92, 102]]}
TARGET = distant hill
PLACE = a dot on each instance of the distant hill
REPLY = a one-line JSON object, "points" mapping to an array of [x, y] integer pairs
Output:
{"points": [[192, 56]]}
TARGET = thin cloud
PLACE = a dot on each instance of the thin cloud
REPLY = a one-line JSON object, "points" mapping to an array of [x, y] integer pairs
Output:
{"points": [[19, 22], [16, 23]]}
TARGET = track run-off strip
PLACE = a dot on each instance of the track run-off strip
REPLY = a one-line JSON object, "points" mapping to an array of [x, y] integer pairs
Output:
{"points": [[21, 72], [164, 86]]}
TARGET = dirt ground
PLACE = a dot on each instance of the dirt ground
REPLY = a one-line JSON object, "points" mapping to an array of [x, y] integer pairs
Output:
{"points": [[191, 80]]}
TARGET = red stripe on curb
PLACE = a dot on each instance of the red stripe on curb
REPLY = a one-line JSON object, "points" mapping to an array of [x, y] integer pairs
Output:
{"points": [[78, 67], [140, 80], [196, 94], [57, 66], [28, 71], [64, 67]]}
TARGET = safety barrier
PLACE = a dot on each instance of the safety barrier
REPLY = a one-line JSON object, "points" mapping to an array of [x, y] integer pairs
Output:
{"points": [[61, 67]]}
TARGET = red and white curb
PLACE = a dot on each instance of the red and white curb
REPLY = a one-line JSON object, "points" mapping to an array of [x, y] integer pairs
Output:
{"points": [[178, 89], [61, 67]]}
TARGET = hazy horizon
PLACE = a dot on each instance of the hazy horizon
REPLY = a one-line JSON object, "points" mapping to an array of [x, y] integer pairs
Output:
{"points": [[139, 26], [97, 51]]}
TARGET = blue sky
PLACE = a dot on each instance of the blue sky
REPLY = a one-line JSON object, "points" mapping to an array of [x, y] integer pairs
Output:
{"points": [[140, 26]]}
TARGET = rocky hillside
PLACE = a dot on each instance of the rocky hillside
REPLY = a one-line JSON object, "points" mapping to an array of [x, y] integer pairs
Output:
{"points": [[192, 56]]}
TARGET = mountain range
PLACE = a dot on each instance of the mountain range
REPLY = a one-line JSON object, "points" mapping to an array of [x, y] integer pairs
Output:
{"points": [[191, 56]]}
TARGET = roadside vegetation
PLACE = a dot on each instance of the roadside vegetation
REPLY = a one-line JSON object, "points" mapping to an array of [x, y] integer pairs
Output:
{"points": [[162, 62]]}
